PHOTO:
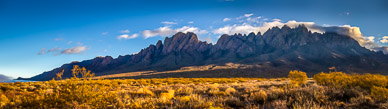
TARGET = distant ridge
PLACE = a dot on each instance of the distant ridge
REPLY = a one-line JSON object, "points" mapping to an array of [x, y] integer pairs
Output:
{"points": [[276, 51]]}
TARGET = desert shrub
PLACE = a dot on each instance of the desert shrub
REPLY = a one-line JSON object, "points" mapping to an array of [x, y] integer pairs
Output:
{"points": [[370, 80], [259, 97], [168, 95], [184, 91], [379, 93], [297, 77], [143, 92], [230, 91], [275, 93], [185, 99], [234, 102], [3, 99], [339, 79], [363, 102]]}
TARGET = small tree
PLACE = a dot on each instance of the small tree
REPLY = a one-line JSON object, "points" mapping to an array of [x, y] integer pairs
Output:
{"points": [[297, 77]]}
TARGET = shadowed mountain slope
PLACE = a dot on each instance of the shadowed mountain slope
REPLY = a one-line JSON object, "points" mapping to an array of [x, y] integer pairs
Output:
{"points": [[276, 51]]}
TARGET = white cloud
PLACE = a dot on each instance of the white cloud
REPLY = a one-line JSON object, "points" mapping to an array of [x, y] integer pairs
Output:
{"points": [[384, 39], [124, 31], [54, 49], [371, 38], [169, 23], [253, 20], [276, 20], [69, 42], [207, 39], [186, 29], [190, 22], [246, 28], [226, 19], [162, 31], [248, 15], [74, 50], [126, 36], [167, 31], [244, 16]]}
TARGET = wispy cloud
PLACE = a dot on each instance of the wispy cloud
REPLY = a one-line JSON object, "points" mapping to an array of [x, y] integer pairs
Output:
{"points": [[126, 36], [384, 39], [168, 23], [370, 38], [74, 50], [124, 31], [248, 15], [55, 49], [190, 22], [42, 51], [167, 31], [226, 19]]}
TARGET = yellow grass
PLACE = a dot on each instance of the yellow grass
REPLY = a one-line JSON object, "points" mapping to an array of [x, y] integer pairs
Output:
{"points": [[332, 90]]}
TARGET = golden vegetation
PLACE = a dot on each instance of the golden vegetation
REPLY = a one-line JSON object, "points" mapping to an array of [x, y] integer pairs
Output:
{"points": [[297, 77], [327, 90]]}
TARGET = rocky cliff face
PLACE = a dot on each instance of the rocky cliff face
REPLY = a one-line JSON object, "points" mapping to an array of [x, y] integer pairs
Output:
{"points": [[283, 48]]}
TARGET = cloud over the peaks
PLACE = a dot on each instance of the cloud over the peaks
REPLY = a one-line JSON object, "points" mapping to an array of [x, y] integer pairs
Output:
{"points": [[167, 31], [249, 24], [384, 39]]}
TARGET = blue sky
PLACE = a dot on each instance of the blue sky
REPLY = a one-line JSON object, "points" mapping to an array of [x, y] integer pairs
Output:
{"points": [[39, 35]]}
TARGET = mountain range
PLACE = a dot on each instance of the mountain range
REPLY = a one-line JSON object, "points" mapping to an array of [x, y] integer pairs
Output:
{"points": [[271, 54]]}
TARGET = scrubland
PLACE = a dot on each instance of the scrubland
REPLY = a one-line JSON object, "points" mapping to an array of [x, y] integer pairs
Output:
{"points": [[324, 90]]}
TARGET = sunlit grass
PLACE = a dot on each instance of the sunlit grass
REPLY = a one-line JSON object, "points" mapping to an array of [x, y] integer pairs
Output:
{"points": [[327, 90]]}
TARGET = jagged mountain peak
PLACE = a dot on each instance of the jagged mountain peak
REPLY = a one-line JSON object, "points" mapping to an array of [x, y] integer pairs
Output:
{"points": [[181, 41]]}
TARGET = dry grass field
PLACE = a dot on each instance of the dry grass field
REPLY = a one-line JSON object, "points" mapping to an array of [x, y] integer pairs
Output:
{"points": [[324, 90]]}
